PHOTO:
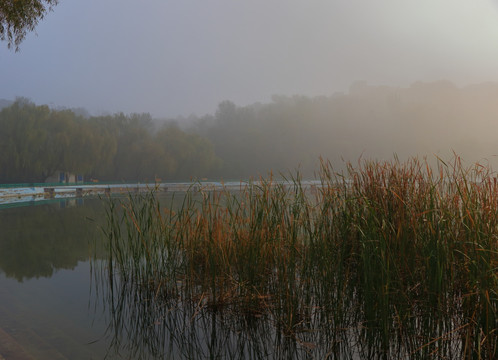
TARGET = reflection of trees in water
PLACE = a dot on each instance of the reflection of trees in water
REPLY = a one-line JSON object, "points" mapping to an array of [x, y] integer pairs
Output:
{"points": [[37, 240]]}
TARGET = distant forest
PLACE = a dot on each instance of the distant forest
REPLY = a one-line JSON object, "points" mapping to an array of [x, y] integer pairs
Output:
{"points": [[240, 142]]}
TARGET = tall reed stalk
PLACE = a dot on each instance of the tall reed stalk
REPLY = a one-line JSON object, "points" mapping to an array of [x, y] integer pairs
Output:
{"points": [[387, 260]]}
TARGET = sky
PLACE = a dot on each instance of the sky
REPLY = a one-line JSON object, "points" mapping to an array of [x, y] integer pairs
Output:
{"points": [[182, 57]]}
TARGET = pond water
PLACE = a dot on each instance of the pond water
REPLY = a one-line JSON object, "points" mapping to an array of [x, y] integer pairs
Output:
{"points": [[47, 310], [55, 304], [50, 308]]}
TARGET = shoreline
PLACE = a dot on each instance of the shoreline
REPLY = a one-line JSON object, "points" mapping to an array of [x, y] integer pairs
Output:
{"points": [[12, 195]]}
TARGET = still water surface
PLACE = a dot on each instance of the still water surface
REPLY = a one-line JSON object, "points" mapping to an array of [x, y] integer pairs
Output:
{"points": [[47, 309], [50, 308]]}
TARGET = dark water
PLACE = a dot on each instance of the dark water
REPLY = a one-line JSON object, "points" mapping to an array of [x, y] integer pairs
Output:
{"points": [[47, 310], [51, 307]]}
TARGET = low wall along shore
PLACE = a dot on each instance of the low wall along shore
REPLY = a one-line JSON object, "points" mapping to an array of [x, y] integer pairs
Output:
{"points": [[21, 194]]}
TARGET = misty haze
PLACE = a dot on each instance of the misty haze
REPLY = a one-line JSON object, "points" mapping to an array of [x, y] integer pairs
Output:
{"points": [[333, 79], [426, 120], [248, 180]]}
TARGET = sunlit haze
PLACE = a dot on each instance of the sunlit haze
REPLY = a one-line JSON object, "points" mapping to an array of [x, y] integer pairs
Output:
{"points": [[174, 58]]}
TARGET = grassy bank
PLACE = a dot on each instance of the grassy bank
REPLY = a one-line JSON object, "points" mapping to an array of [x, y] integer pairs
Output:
{"points": [[387, 260]]}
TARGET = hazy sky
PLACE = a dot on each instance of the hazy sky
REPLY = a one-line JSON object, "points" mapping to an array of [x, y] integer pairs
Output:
{"points": [[177, 57]]}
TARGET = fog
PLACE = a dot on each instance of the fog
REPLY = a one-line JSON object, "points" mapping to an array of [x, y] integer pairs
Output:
{"points": [[428, 120], [264, 84], [174, 58]]}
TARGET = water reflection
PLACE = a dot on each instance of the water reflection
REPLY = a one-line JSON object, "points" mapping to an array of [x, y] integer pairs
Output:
{"points": [[45, 281], [151, 325], [322, 315], [35, 241]]}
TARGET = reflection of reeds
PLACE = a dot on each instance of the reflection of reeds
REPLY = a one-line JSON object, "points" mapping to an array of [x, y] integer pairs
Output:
{"points": [[387, 260]]}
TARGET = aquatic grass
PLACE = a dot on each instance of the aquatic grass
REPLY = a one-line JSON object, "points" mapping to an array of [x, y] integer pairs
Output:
{"points": [[386, 260]]}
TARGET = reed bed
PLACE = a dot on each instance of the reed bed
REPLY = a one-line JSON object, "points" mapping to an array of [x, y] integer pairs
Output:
{"points": [[386, 260]]}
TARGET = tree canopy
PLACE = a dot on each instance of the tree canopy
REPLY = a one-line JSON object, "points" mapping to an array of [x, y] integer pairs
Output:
{"points": [[18, 17], [242, 142], [36, 142]]}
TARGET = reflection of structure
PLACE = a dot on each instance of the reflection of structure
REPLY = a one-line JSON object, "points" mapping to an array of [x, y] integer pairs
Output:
{"points": [[64, 177], [71, 202]]}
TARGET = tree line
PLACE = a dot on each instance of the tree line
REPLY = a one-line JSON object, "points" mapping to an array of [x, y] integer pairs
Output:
{"points": [[288, 133], [36, 142], [433, 120]]}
